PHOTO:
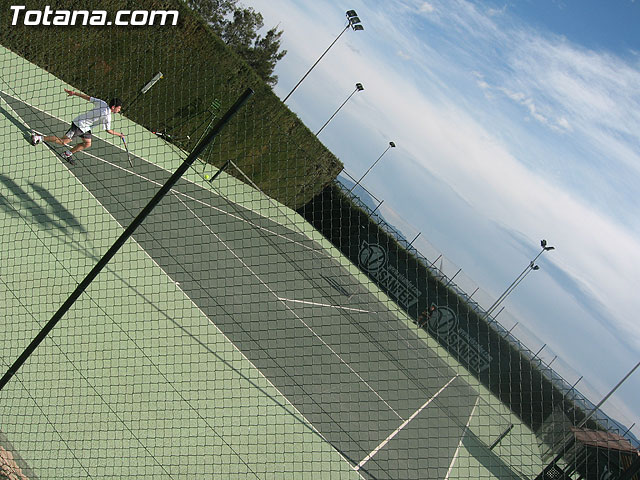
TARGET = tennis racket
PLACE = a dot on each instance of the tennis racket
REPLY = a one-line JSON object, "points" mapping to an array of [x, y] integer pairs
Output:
{"points": [[128, 154]]}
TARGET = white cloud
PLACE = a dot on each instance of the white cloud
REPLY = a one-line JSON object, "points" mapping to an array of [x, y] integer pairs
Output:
{"points": [[564, 123], [426, 7], [594, 88], [482, 84], [515, 96], [492, 12]]}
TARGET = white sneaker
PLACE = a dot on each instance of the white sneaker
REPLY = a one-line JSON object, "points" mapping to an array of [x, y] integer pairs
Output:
{"points": [[67, 155], [36, 139]]}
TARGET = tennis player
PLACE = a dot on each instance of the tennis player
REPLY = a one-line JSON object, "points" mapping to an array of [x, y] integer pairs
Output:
{"points": [[81, 125]]}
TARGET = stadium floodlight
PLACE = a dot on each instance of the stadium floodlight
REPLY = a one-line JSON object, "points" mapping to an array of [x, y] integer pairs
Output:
{"points": [[359, 88], [543, 244], [353, 22], [528, 269], [391, 145]]}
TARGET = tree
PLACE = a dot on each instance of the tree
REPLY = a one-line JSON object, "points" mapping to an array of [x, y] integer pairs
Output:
{"points": [[213, 11], [240, 31], [264, 55], [238, 27]]}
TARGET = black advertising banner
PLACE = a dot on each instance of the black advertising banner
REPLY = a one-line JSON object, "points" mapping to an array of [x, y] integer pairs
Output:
{"points": [[421, 295], [482, 349]]}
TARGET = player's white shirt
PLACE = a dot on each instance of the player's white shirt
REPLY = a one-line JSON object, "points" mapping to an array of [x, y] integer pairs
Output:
{"points": [[99, 115]]}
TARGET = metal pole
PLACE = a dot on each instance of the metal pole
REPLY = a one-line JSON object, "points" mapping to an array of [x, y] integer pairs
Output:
{"points": [[434, 262], [629, 429], [511, 329], [474, 292], [496, 315], [336, 112], [416, 237], [451, 279], [507, 291], [374, 210], [538, 352], [513, 285], [511, 288], [572, 387], [606, 397], [391, 144], [124, 237], [313, 66]]}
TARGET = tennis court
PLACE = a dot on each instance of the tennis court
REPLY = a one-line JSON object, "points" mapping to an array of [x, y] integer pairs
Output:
{"points": [[221, 339]]}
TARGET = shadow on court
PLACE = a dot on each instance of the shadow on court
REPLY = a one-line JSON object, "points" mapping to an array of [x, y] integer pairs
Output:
{"points": [[21, 126], [13, 199], [489, 460]]}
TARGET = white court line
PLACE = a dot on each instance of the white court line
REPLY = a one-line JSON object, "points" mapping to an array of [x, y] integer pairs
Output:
{"points": [[294, 313], [202, 202], [177, 285], [404, 424], [219, 239], [464, 432], [319, 252], [317, 304]]}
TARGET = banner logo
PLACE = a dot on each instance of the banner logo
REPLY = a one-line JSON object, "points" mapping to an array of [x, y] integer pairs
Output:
{"points": [[374, 261], [443, 324], [443, 321], [372, 257]]}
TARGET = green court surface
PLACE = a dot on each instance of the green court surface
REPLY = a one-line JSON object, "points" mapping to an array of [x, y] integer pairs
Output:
{"points": [[227, 339]]}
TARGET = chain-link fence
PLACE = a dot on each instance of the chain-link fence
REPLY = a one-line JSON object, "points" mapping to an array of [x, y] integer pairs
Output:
{"points": [[257, 323]]}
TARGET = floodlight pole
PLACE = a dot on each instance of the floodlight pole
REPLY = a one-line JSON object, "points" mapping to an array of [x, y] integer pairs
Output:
{"points": [[359, 88], [82, 286], [606, 397], [391, 145], [354, 23], [528, 269]]}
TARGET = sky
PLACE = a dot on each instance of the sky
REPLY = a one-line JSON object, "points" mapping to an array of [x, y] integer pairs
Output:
{"points": [[514, 121]]}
